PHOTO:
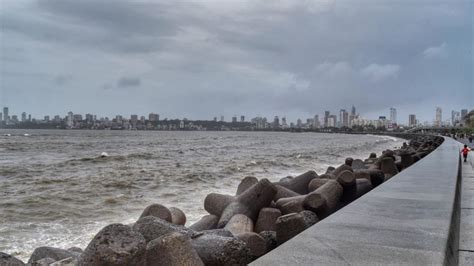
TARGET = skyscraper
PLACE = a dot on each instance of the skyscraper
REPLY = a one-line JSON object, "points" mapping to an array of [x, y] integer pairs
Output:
{"points": [[5, 114], [242, 118], [23, 117], [326, 117], [393, 115], [316, 123], [411, 120], [439, 117], [463, 114], [353, 110], [1, 117]]}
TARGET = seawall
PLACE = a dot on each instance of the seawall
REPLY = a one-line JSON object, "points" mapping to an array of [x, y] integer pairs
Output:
{"points": [[412, 218]]}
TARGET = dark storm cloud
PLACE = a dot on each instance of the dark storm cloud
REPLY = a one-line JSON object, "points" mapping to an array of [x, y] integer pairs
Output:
{"points": [[250, 57], [126, 82]]}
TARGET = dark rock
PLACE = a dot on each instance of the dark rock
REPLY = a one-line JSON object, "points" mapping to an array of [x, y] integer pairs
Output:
{"points": [[217, 232], [288, 226], [358, 164], [388, 167], [283, 192], [310, 218], [115, 244], [239, 224], [348, 161], [316, 183], [43, 262]]}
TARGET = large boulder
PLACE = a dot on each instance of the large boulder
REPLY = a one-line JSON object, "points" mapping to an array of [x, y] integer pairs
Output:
{"points": [[220, 250], [115, 244]]}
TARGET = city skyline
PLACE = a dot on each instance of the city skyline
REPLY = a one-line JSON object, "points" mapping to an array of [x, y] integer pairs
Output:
{"points": [[328, 119], [201, 59]]}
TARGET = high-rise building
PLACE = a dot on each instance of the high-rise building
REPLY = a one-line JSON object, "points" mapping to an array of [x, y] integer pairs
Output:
{"points": [[23, 117], [439, 117], [222, 118], [299, 123], [1, 117], [5, 114], [332, 121], [455, 117], [46, 118], [29, 117], [411, 120], [343, 118], [242, 118], [316, 123], [326, 118], [283, 122], [393, 115], [234, 119], [134, 120], [353, 110], [276, 122], [70, 121]]}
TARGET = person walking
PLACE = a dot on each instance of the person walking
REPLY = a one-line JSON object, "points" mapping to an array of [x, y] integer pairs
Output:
{"points": [[464, 152]]}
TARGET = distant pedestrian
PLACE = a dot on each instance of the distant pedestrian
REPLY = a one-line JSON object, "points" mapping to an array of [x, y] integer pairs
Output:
{"points": [[464, 152], [470, 139]]}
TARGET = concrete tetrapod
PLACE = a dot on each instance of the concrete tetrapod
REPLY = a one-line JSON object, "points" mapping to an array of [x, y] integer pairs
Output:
{"points": [[299, 184], [348, 182], [206, 222], [239, 224], [215, 203], [331, 192], [256, 244], [288, 226], [115, 244], [283, 192], [152, 227], [250, 202], [50, 252], [363, 186], [157, 210], [266, 219], [316, 183], [388, 167], [220, 250], [245, 184], [172, 249], [177, 216], [7, 259], [270, 239]]}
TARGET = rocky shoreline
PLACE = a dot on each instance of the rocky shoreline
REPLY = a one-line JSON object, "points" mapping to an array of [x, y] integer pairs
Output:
{"points": [[241, 227]]}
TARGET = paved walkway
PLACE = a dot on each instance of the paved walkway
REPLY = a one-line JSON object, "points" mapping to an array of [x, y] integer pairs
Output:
{"points": [[466, 234]]}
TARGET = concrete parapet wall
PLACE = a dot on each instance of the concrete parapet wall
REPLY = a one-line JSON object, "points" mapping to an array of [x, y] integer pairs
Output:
{"points": [[412, 219]]}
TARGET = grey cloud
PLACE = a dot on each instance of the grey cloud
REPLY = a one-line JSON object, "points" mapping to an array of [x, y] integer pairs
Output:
{"points": [[126, 82]]}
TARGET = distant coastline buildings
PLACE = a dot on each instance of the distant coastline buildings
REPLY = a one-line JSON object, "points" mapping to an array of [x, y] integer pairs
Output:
{"points": [[342, 122]]}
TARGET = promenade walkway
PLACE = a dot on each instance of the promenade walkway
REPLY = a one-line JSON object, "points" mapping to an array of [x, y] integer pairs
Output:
{"points": [[466, 230]]}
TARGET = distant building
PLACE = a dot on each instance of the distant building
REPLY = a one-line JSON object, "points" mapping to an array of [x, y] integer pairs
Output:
{"points": [[77, 117], [438, 117], [353, 110], [134, 120], [455, 118], [14, 119], [69, 119], [316, 123], [23, 117], [46, 118], [411, 120], [463, 115], [283, 123], [299, 123], [332, 121], [1, 117], [234, 119], [276, 122], [393, 115], [326, 118], [5, 114], [222, 118], [29, 117], [215, 118], [153, 117], [242, 118], [343, 118]]}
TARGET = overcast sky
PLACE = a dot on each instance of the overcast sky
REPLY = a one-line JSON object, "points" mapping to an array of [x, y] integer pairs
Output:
{"points": [[200, 59]]}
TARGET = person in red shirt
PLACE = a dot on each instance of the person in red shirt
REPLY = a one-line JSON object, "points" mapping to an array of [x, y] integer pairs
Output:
{"points": [[464, 152]]}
